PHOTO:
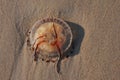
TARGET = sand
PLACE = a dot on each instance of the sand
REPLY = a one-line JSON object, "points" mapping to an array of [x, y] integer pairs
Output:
{"points": [[96, 43]]}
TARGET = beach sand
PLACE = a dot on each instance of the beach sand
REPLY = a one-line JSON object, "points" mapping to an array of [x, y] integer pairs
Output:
{"points": [[96, 39]]}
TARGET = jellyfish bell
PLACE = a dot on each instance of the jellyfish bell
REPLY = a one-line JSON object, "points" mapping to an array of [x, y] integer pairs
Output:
{"points": [[50, 37]]}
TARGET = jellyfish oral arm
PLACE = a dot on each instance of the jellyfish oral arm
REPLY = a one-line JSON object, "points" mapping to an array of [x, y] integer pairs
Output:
{"points": [[36, 53], [56, 42]]}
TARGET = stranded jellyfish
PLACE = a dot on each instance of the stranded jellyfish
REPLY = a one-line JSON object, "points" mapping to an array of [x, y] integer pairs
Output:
{"points": [[49, 39]]}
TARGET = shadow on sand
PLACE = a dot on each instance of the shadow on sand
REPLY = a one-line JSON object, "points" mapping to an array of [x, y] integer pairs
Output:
{"points": [[78, 35]]}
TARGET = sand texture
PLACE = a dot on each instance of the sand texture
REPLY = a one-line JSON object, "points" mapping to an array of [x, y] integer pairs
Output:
{"points": [[95, 51]]}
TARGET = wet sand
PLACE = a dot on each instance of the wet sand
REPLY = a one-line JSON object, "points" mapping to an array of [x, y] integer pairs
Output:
{"points": [[95, 51]]}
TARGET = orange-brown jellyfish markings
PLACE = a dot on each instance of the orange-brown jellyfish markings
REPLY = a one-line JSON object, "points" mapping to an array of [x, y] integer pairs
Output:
{"points": [[49, 39]]}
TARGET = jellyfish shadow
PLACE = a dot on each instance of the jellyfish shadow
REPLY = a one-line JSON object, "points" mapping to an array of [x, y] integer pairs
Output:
{"points": [[78, 35]]}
